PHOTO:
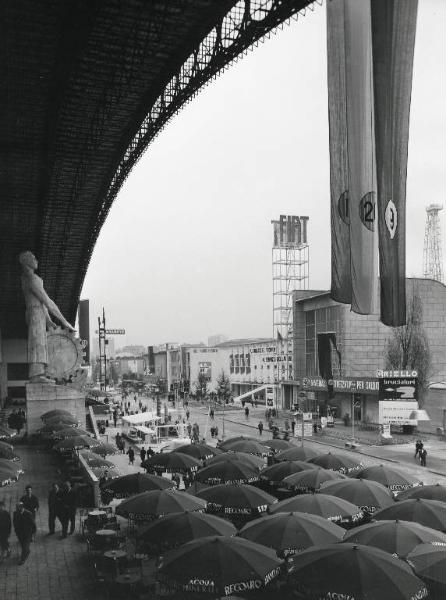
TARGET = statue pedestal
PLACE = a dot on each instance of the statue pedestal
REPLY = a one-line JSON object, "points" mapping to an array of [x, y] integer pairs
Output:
{"points": [[42, 397]]}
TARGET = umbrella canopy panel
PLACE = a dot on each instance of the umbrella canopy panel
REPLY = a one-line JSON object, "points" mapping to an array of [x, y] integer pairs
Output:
{"points": [[231, 456], [431, 513], [391, 478], [155, 504], [355, 571], [236, 500], [220, 566], [334, 509], [310, 481], [171, 462], [179, 528], [136, 483], [296, 453], [395, 537], [199, 451], [275, 474], [370, 496], [426, 492], [429, 563], [337, 462], [293, 532], [227, 472]]}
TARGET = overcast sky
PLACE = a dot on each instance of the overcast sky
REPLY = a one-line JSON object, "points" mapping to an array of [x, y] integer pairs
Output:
{"points": [[186, 250]]}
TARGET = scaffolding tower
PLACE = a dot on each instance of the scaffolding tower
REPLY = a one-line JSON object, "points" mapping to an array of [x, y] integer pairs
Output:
{"points": [[432, 253], [290, 270]]}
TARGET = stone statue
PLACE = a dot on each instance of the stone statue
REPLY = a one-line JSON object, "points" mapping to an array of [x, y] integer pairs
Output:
{"points": [[38, 308]]}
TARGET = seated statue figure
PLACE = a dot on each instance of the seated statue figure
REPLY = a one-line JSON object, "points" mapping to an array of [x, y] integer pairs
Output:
{"points": [[39, 306]]}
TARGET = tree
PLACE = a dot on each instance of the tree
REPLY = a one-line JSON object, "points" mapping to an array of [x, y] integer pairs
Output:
{"points": [[223, 388], [201, 386], [408, 348]]}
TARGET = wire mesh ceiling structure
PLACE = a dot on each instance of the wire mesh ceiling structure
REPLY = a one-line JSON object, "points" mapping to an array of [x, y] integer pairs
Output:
{"points": [[86, 87]]}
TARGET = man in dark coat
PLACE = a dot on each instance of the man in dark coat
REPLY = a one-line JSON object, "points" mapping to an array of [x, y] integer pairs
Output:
{"points": [[5, 531], [68, 506], [142, 454], [30, 502], [25, 528], [53, 507]]}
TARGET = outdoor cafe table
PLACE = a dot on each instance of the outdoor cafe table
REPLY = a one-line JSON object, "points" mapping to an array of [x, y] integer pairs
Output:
{"points": [[119, 558], [106, 538], [126, 581]]}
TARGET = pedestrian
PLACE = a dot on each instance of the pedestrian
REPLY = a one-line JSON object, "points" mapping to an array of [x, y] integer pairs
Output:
{"points": [[69, 499], [30, 502], [5, 532], [187, 414], [122, 446], [211, 413], [142, 454], [176, 479], [247, 412], [216, 431], [260, 427], [53, 507], [150, 452], [189, 429], [186, 481], [115, 416], [287, 425], [418, 448], [25, 528], [293, 425], [131, 454], [423, 456]]}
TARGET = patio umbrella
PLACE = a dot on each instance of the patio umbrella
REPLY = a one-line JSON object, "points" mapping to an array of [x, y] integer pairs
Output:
{"points": [[178, 528], [112, 472], [76, 443], [5, 434], [275, 474], [157, 503], [370, 496], [427, 492], [220, 566], [57, 412], [171, 462], [227, 472], [224, 445], [429, 563], [278, 445], [50, 428], [135, 483], [296, 453], [198, 451], [62, 434], [104, 449], [236, 500], [292, 532], [7, 477], [309, 481], [335, 509], [337, 462], [431, 513], [248, 459], [249, 447], [391, 478], [7, 452], [95, 461], [65, 419], [354, 571], [12, 467], [395, 537]]}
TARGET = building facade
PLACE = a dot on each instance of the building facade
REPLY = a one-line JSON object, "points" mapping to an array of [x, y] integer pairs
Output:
{"points": [[359, 348]]}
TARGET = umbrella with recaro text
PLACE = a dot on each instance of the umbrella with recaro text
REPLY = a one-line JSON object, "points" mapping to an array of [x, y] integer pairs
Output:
{"points": [[337, 462], [353, 571], [335, 509], [275, 474], [198, 451], [236, 500], [171, 462], [391, 478], [296, 453], [136, 483], [157, 503], [230, 456], [427, 492], [249, 447], [227, 472], [76, 443], [220, 566]]}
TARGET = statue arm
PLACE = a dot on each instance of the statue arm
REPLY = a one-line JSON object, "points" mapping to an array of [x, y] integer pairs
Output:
{"points": [[50, 306]]}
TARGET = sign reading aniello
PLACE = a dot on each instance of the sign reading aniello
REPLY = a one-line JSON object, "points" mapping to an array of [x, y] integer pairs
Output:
{"points": [[290, 231]]}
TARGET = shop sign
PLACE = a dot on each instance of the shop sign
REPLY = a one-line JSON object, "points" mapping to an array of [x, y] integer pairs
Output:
{"points": [[402, 373], [398, 388], [348, 384]]}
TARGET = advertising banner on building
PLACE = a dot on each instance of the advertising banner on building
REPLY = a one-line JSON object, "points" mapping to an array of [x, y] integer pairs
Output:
{"points": [[205, 368], [398, 388], [347, 384], [393, 41], [397, 412]]}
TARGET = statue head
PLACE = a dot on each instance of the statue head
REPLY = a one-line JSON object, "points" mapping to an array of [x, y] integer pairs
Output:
{"points": [[27, 259]]}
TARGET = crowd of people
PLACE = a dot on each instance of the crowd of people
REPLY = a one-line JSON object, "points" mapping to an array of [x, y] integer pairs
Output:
{"points": [[62, 505]]}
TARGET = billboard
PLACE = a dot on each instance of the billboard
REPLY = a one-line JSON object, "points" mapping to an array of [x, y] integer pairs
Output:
{"points": [[397, 412], [205, 368], [290, 231], [398, 388]]}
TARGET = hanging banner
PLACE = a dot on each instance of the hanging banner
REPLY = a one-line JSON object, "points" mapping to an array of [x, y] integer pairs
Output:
{"points": [[361, 153], [393, 38], [341, 284], [352, 154]]}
